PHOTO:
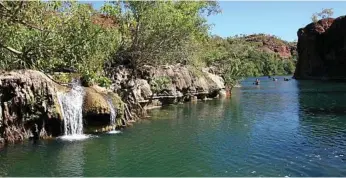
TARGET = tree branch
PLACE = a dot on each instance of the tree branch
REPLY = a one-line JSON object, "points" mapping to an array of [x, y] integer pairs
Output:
{"points": [[14, 51]]}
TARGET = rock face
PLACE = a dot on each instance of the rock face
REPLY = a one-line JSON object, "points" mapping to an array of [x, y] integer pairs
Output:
{"points": [[96, 108], [321, 50], [272, 44], [28, 98], [169, 84]]}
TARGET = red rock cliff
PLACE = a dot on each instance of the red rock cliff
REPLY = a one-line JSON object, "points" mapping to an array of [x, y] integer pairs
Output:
{"points": [[273, 44], [322, 50]]}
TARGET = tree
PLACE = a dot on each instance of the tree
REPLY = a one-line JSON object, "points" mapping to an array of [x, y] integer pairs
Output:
{"points": [[159, 32], [49, 35], [325, 13]]}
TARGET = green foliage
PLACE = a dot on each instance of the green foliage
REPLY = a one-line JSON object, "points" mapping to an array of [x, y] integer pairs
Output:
{"points": [[63, 77], [325, 13], [159, 32], [160, 83], [50, 35], [104, 81], [92, 78], [240, 57]]}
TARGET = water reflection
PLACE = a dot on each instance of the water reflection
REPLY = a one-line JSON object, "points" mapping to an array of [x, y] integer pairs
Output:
{"points": [[322, 119], [71, 159], [276, 129]]}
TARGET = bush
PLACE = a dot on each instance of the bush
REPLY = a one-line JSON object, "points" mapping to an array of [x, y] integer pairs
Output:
{"points": [[160, 83]]}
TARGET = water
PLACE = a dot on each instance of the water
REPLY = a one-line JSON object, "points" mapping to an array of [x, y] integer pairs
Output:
{"points": [[71, 109], [274, 129], [113, 113]]}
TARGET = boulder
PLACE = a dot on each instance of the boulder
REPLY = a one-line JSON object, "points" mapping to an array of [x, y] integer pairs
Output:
{"points": [[95, 103], [96, 107]]}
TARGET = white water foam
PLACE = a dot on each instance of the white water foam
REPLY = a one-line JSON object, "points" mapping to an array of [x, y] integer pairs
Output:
{"points": [[71, 109], [114, 132], [113, 110], [113, 115], [74, 137]]}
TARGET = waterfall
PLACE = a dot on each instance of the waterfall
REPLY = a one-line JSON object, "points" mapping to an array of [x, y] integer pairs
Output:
{"points": [[113, 115], [71, 109]]}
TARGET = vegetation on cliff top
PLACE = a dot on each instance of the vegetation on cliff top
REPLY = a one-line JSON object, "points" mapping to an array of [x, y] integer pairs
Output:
{"points": [[325, 13], [51, 36]]}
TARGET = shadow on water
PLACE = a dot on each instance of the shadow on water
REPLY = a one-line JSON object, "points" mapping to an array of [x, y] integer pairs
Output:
{"points": [[322, 118]]}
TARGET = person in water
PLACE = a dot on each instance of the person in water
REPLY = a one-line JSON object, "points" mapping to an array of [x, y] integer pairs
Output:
{"points": [[257, 82]]}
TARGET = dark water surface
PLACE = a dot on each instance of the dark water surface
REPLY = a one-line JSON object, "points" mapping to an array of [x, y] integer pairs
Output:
{"points": [[294, 128]]}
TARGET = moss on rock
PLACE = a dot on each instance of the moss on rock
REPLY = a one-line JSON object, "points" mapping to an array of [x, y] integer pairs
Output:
{"points": [[95, 103], [118, 103], [97, 111]]}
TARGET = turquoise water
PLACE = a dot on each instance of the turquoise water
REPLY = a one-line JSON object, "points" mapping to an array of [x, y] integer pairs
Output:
{"points": [[275, 129]]}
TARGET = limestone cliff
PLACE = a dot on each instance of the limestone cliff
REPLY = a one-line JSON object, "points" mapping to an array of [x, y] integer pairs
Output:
{"points": [[321, 50], [168, 84], [28, 97]]}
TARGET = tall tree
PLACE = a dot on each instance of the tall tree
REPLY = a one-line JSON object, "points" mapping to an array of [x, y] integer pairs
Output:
{"points": [[159, 32]]}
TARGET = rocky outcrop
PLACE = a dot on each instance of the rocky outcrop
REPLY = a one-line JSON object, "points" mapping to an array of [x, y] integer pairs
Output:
{"points": [[272, 44], [321, 50], [96, 109], [27, 98], [168, 84]]}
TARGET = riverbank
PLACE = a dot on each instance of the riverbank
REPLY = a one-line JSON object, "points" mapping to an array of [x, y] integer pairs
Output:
{"points": [[29, 98], [271, 130]]}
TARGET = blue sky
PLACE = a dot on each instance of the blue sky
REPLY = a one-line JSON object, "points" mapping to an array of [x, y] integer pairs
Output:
{"points": [[281, 19]]}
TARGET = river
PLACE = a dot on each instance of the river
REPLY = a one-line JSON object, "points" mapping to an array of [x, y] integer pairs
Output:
{"points": [[282, 128]]}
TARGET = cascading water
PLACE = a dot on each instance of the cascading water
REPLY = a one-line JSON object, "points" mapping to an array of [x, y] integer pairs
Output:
{"points": [[71, 109], [113, 115]]}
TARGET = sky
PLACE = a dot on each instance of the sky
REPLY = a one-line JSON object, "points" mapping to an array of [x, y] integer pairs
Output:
{"points": [[282, 19]]}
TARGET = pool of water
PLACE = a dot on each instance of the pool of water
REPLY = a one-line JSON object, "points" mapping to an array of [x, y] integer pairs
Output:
{"points": [[283, 128]]}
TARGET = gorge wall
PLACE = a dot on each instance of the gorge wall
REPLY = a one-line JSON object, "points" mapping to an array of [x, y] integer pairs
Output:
{"points": [[29, 97], [321, 50]]}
